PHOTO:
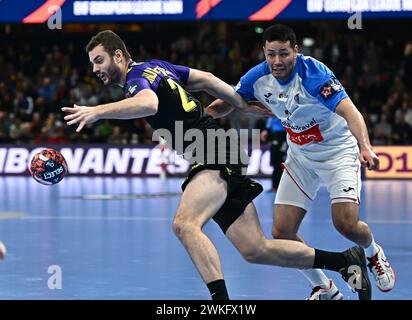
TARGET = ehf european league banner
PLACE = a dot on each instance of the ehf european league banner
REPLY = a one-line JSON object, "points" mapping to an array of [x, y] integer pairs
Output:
{"points": [[39, 11], [116, 160]]}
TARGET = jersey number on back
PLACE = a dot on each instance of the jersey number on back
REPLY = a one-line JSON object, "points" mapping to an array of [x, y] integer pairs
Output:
{"points": [[186, 104]]}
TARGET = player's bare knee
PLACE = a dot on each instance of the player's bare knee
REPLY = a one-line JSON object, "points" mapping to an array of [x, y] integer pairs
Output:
{"points": [[183, 228], [347, 228]]}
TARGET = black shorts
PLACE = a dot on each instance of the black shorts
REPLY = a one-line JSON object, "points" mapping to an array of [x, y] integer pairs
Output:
{"points": [[241, 191]]}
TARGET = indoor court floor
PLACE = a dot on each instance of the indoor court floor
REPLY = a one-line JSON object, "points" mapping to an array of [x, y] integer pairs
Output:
{"points": [[111, 238]]}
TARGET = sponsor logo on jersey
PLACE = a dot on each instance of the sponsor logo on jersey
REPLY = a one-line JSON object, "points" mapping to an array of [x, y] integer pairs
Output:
{"points": [[267, 96], [132, 89], [330, 88], [312, 123], [348, 189], [306, 136]]}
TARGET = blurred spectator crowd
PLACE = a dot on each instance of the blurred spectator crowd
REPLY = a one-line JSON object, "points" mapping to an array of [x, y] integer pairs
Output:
{"points": [[39, 75]]}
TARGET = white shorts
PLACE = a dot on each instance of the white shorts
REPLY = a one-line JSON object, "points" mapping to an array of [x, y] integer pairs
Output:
{"points": [[302, 178]]}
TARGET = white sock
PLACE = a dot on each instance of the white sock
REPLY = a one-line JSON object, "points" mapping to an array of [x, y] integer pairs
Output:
{"points": [[316, 277], [372, 249]]}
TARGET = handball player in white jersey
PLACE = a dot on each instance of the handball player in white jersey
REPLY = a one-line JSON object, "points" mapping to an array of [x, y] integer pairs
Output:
{"points": [[328, 142]]}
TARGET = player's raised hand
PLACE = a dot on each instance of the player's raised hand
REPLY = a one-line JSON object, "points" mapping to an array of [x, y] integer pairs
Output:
{"points": [[80, 115], [369, 159]]}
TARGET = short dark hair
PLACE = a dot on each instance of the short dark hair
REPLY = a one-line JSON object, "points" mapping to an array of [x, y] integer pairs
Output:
{"points": [[110, 42], [279, 32]]}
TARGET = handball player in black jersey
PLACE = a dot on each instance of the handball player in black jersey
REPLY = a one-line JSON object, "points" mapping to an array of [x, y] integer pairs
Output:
{"points": [[160, 92]]}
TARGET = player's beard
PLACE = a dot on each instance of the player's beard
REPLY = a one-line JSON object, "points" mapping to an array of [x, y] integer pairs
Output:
{"points": [[114, 73]]}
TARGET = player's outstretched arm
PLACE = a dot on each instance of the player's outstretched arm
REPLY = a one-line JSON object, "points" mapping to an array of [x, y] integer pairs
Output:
{"points": [[228, 97], [206, 81], [143, 104], [357, 126], [219, 109]]}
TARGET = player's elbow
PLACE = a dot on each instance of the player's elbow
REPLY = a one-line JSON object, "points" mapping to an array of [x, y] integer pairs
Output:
{"points": [[152, 108], [146, 103], [151, 104]]}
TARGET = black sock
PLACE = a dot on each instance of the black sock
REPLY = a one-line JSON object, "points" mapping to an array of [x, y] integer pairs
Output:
{"points": [[218, 290], [329, 260]]}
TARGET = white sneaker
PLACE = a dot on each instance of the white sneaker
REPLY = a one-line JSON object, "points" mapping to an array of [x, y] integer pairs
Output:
{"points": [[331, 293], [384, 275]]}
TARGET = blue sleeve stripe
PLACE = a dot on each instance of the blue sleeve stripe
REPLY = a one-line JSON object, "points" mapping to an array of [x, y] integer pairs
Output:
{"points": [[245, 85], [320, 82], [334, 101]]}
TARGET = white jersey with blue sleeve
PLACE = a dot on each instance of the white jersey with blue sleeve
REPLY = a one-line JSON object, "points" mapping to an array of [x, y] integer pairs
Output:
{"points": [[306, 105]]}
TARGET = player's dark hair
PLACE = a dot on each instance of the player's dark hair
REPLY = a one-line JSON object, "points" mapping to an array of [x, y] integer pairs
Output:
{"points": [[279, 32], [110, 42]]}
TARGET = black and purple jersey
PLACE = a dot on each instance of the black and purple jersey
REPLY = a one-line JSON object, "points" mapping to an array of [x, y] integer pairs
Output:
{"points": [[168, 82], [147, 75]]}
